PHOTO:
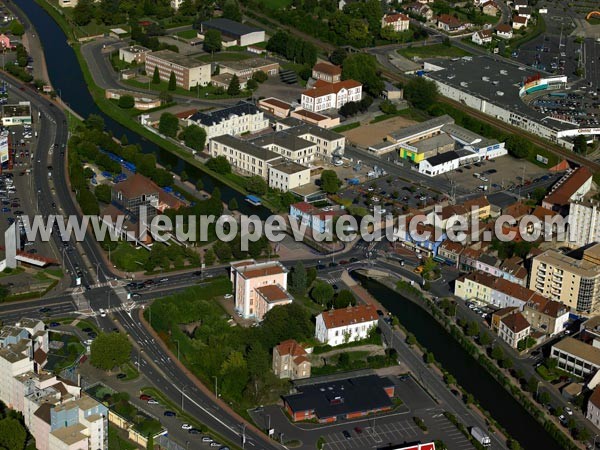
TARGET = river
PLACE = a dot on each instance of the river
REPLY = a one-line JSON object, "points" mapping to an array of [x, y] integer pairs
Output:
{"points": [[467, 371], [66, 76]]}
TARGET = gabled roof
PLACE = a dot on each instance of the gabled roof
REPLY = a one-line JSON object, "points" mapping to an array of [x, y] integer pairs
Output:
{"points": [[392, 18], [503, 28], [595, 397], [516, 322], [480, 202], [485, 34], [520, 19], [568, 187], [327, 68], [489, 3], [336, 318], [322, 88], [449, 20], [290, 347]]}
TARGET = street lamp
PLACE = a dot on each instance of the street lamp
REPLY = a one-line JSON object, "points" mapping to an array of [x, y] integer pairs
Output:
{"points": [[243, 436]]}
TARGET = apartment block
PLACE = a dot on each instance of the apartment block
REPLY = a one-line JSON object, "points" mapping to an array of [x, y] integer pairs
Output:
{"points": [[235, 120], [258, 287], [329, 144], [288, 175], [568, 279], [243, 156], [188, 72], [546, 315], [323, 96], [584, 222], [398, 22], [340, 326]]}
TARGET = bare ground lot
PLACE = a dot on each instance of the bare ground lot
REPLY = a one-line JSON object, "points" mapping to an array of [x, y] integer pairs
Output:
{"points": [[367, 135]]}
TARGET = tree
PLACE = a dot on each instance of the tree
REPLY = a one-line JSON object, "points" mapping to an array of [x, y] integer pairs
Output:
{"points": [[156, 76], [183, 176], [200, 184], [110, 350], [126, 102], [12, 434], [580, 145], [260, 76], [411, 339], [234, 86], [484, 338], [518, 146], [252, 84], [322, 292], [103, 193], [298, 282], [421, 93], [168, 125], [233, 204], [497, 353], [343, 299], [449, 379], [544, 398], [172, 82], [94, 122], [387, 107], [338, 56], [429, 358], [292, 321], [209, 257], [473, 328], [83, 12], [330, 183], [212, 41], [194, 137], [256, 185], [165, 97], [17, 28], [363, 67], [231, 10]]}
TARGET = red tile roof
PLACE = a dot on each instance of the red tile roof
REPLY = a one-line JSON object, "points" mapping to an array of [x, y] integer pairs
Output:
{"points": [[276, 102], [322, 88], [449, 20], [546, 306], [516, 322], [595, 397], [520, 19], [351, 315], [393, 18], [504, 28], [273, 293], [290, 347], [500, 284], [327, 68], [263, 271], [562, 194]]}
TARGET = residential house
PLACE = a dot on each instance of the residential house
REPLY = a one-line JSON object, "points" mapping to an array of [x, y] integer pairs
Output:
{"points": [[449, 252], [519, 22], [518, 4], [593, 408], [318, 220], [450, 24], [490, 8], [482, 37], [504, 31], [324, 96], [514, 328], [500, 314], [340, 326], [290, 360], [258, 287], [421, 10], [546, 315], [398, 22], [327, 72], [525, 12]]}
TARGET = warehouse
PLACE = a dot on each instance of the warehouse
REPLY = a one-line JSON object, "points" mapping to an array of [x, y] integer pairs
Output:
{"points": [[239, 33]]}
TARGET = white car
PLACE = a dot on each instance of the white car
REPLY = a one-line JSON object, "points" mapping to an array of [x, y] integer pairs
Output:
{"points": [[152, 402], [206, 439], [228, 296], [186, 426], [568, 410], [102, 312]]}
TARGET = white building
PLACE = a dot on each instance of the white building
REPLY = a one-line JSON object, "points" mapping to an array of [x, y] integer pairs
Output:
{"points": [[133, 54], [398, 22], [482, 37], [504, 31], [234, 120], [514, 328], [593, 408], [324, 96], [244, 157], [584, 222], [287, 175], [234, 32], [576, 357], [328, 143], [340, 326], [189, 72]]}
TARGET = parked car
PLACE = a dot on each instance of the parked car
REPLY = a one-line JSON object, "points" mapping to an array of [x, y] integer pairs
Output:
{"points": [[347, 434], [145, 397], [152, 402], [170, 413], [120, 376], [186, 426], [228, 296]]}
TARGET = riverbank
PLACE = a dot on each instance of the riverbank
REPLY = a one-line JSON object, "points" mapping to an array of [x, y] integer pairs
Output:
{"points": [[479, 357], [124, 119]]}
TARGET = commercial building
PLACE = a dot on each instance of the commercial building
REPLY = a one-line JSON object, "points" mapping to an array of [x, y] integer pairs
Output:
{"points": [[347, 398], [258, 287], [288, 175], [290, 360], [235, 120], [570, 188], [496, 88], [573, 281], [324, 96], [576, 357], [223, 80], [397, 22], [514, 328], [327, 72], [17, 114], [234, 32], [247, 67], [340, 326], [133, 54], [189, 72], [317, 219]]}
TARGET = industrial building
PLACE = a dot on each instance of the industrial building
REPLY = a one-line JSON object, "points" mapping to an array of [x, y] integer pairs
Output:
{"points": [[234, 33]]}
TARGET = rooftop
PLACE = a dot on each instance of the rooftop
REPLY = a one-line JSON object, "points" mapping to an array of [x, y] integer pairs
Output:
{"points": [[442, 158], [500, 284], [246, 147], [568, 186], [433, 143], [285, 138], [515, 322], [322, 89], [256, 270], [336, 318], [274, 294], [177, 58], [290, 347], [391, 18], [567, 263], [230, 27], [327, 68], [252, 63], [405, 134], [289, 167], [276, 103], [579, 349], [16, 110], [210, 118], [70, 435]]}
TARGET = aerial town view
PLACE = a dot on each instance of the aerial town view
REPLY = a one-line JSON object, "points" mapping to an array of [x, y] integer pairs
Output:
{"points": [[300, 224]]}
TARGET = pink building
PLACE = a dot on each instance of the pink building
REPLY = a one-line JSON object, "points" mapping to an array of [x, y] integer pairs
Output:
{"points": [[4, 41], [258, 287]]}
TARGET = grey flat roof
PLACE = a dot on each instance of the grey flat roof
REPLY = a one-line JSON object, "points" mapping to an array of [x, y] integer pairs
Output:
{"points": [[467, 136], [283, 138], [471, 71], [437, 141], [228, 26], [176, 58], [421, 127], [247, 147], [289, 167]]}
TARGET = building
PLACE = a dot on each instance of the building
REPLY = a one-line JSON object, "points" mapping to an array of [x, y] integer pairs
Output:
{"points": [[17, 114], [258, 287], [340, 326], [398, 22], [318, 220], [413, 446], [593, 408], [519, 22], [450, 24], [518, 4], [290, 360], [392, 92], [576, 357], [327, 72], [504, 31], [324, 96], [490, 8], [490, 289], [449, 252], [329, 144], [546, 315], [245, 68], [189, 72], [572, 187], [425, 238], [525, 12], [500, 314], [244, 157], [139, 191], [223, 80], [235, 32], [141, 101], [234, 120], [514, 328], [133, 54], [482, 37], [584, 222], [313, 118], [289, 145], [288, 175], [421, 10], [346, 398], [570, 280], [276, 107]]}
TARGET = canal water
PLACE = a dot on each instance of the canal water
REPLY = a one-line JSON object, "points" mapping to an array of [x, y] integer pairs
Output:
{"points": [[66, 76], [467, 371]]}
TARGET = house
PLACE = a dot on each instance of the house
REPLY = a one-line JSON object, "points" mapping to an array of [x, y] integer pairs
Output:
{"points": [[258, 287], [570, 188], [139, 191], [325, 95], [290, 360], [421, 10], [340, 326], [276, 107], [482, 37], [504, 31], [449, 252], [425, 238], [525, 12], [450, 24], [233, 33], [500, 314], [327, 72], [514, 328], [518, 4], [593, 408], [392, 92], [318, 220], [519, 22], [490, 8], [546, 315], [398, 22]]}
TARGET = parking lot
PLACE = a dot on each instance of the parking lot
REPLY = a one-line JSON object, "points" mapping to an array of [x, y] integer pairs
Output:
{"points": [[374, 436]]}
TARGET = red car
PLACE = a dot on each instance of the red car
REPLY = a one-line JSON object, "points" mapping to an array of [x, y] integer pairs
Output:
{"points": [[145, 397], [358, 430]]}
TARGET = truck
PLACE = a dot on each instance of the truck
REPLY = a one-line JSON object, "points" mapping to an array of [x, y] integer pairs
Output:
{"points": [[481, 437]]}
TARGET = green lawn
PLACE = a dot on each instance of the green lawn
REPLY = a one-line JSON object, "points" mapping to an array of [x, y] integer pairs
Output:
{"points": [[128, 258], [276, 4], [129, 369], [188, 34], [349, 126], [209, 92], [594, 20], [116, 442], [430, 51], [225, 56]]}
